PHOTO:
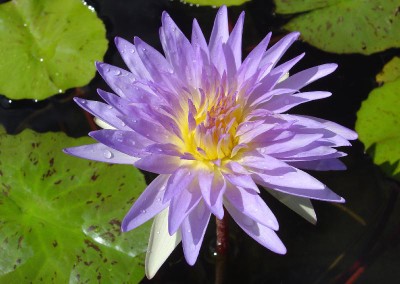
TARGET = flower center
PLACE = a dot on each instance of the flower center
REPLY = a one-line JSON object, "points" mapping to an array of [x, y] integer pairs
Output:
{"points": [[212, 124]]}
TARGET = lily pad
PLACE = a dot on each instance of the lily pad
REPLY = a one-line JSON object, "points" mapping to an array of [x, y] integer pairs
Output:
{"points": [[48, 46], [60, 216], [216, 2], [378, 125], [390, 72], [350, 26]]}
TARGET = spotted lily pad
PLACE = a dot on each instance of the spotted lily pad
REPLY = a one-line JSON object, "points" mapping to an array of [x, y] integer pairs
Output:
{"points": [[378, 124], [350, 26], [60, 216], [48, 46], [217, 2]]}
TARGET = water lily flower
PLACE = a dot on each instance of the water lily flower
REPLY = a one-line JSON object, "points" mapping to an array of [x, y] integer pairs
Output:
{"points": [[213, 127]]}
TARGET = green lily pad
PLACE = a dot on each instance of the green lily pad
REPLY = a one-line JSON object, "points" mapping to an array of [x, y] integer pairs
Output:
{"points": [[60, 215], [350, 26], [216, 2], [378, 125], [390, 72], [48, 46]]}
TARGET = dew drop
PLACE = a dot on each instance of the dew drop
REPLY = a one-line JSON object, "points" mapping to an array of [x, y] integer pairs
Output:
{"points": [[41, 59], [123, 124], [60, 91], [82, 101], [189, 231], [158, 232], [143, 211], [118, 72], [159, 199], [132, 51], [107, 154], [25, 24]]}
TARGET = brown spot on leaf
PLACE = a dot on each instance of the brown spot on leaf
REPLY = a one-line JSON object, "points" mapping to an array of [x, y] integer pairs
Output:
{"points": [[94, 176], [115, 222], [20, 239], [51, 162], [55, 244], [92, 245], [57, 182]]}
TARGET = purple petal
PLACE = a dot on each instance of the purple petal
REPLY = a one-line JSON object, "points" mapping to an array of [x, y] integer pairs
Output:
{"points": [[193, 229], [235, 40], [244, 181], [220, 31], [103, 111], [309, 153], [305, 77], [179, 181], [320, 165], [297, 183], [294, 142], [181, 205], [212, 186], [102, 153], [279, 104], [284, 67], [147, 205], [262, 234], [127, 142], [251, 205], [131, 58], [121, 81], [155, 62], [198, 41], [160, 164], [251, 63], [332, 126], [273, 54]]}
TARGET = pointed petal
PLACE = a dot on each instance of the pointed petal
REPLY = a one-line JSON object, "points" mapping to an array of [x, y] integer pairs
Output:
{"points": [[262, 234], [161, 244], [301, 206], [193, 229], [272, 56], [103, 111], [102, 153], [127, 142], [280, 104], [305, 77], [251, 205], [220, 31], [212, 186], [235, 40], [147, 205], [181, 205], [160, 164], [120, 81], [320, 165], [179, 181], [131, 58]]}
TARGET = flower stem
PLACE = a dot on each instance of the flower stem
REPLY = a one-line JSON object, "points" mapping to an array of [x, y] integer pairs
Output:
{"points": [[221, 248]]}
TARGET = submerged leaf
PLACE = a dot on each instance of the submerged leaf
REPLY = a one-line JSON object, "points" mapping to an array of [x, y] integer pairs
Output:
{"points": [[48, 46], [351, 26], [60, 216]]}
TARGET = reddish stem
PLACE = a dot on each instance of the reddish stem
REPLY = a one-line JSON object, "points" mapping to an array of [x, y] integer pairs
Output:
{"points": [[221, 248]]}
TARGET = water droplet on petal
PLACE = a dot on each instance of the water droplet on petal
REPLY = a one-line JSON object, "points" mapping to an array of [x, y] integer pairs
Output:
{"points": [[118, 72], [123, 123], [107, 154], [109, 107], [143, 211], [132, 51]]}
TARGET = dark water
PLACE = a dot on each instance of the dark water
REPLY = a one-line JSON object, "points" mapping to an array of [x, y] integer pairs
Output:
{"points": [[356, 242]]}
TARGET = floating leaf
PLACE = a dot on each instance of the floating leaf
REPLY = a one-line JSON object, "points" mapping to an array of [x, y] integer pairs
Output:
{"points": [[60, 216], [350, 26], [378, 123], [216, 2], [47, 46], [390, 72]]}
